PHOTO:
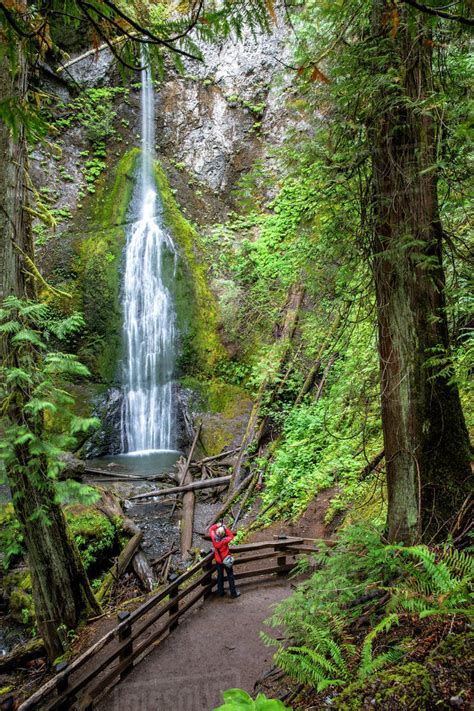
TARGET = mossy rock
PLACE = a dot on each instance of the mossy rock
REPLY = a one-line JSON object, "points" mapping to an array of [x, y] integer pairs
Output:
{"points": [[17, 586], [223, 410], [196, 309], [96, 536], [406, 687], [97, 268]]}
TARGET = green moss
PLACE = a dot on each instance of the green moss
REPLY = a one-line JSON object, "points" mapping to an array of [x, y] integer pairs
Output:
{"points": [[97, 269], [406, 687], [11, 537], [18, 589], [216, 396], [200, 347], [95, 534], [224, 411]]}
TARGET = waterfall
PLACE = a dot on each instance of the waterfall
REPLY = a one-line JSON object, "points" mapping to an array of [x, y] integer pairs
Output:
{"points": [[149, 329]]}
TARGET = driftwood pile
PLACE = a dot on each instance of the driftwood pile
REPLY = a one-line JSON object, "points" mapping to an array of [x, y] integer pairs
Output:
{"points": [[209, 473]]}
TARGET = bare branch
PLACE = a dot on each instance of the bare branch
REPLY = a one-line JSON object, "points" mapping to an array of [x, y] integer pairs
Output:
{"points": [[440, 13]]}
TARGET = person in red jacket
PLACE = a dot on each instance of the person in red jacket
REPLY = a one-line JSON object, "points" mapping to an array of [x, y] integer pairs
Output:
{"points": [[221, 536]]}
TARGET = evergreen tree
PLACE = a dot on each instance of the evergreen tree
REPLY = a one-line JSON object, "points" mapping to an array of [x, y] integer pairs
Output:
{"points": [[383, 135]]}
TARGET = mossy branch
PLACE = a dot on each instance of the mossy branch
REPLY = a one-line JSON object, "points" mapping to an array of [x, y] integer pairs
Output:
{"points": [[35, 274]]}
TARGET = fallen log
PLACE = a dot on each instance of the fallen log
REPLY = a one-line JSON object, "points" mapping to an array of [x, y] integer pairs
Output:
{"points": [[184, 474], [120, 566], [214, 457], [163, 557], [22, 654], [187, 517], [372, 465], [311, 377], [166, 568], [143, 570], [246, 497], [256, 423], [112, 475], [206, 484], [227, 504], [325, 375], [117, 476]]}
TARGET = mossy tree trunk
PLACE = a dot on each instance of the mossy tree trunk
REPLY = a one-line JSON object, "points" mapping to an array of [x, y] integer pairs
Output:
{"points": [[15, 227], [61, 591], [426, 441]]}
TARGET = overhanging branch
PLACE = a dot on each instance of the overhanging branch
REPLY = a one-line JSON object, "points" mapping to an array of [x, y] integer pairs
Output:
{"points": [[439, 13]]}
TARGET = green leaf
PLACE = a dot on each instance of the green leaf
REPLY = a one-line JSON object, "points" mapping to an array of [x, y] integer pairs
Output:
{"points": [[35, 405], [83, 424], [264, 704], [26, 335], [238, 696]]}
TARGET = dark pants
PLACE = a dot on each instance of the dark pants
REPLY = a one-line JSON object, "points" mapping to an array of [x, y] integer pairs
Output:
{"points": [[220, 578]]}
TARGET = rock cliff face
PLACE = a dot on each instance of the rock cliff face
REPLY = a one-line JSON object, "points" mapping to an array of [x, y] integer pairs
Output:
{"points": [[228, 110], [212, 123], [223, 113]]}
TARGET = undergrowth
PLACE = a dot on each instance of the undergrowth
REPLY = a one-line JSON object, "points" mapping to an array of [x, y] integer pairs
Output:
{"points": [[364, 581]]}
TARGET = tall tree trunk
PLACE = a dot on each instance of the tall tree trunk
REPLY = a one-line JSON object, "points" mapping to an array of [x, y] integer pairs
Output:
{"points": [[61, 591], [15, 227], [426, 441]]}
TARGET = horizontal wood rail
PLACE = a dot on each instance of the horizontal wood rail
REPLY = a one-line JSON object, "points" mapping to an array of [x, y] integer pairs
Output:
{"points": [[110, 658]]}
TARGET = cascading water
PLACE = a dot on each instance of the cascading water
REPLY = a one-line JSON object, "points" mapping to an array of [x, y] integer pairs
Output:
{"points": [[148, 421]]}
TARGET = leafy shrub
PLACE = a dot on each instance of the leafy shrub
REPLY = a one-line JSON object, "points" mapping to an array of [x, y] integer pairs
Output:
{"points": [[319, 650], [239, 700]]}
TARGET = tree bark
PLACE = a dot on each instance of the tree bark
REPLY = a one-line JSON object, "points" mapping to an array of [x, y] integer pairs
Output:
{"points": [[15, 224], [61, 591], [425, 437]]}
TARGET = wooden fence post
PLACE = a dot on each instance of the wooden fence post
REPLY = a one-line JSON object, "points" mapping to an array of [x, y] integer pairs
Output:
{"points": [[124, 633], [207, 582], [281, 559], [174, 608]]}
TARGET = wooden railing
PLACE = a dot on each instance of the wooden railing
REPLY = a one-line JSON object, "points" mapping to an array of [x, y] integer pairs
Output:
{"points": [[113, 656]]}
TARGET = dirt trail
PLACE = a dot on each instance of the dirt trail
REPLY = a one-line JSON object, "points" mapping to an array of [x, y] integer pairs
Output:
{"points": [[217, 646]]}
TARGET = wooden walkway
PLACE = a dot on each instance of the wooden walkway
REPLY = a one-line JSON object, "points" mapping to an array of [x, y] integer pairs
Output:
{"points": [[84, 682]]}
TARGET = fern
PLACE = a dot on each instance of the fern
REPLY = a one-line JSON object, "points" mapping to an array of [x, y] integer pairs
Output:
{"points": [[42, 378], [318, 617], [367, 663], [438, 582]]}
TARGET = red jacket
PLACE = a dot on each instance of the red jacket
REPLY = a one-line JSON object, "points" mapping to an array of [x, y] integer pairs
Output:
{"points": [[221, 548]]}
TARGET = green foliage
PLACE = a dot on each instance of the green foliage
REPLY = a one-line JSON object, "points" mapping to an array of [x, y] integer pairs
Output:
{"points": [[93, 110], [330, 441], [319, 650], [36, 379], [11, 536], [239, 700], [435, 582]]}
